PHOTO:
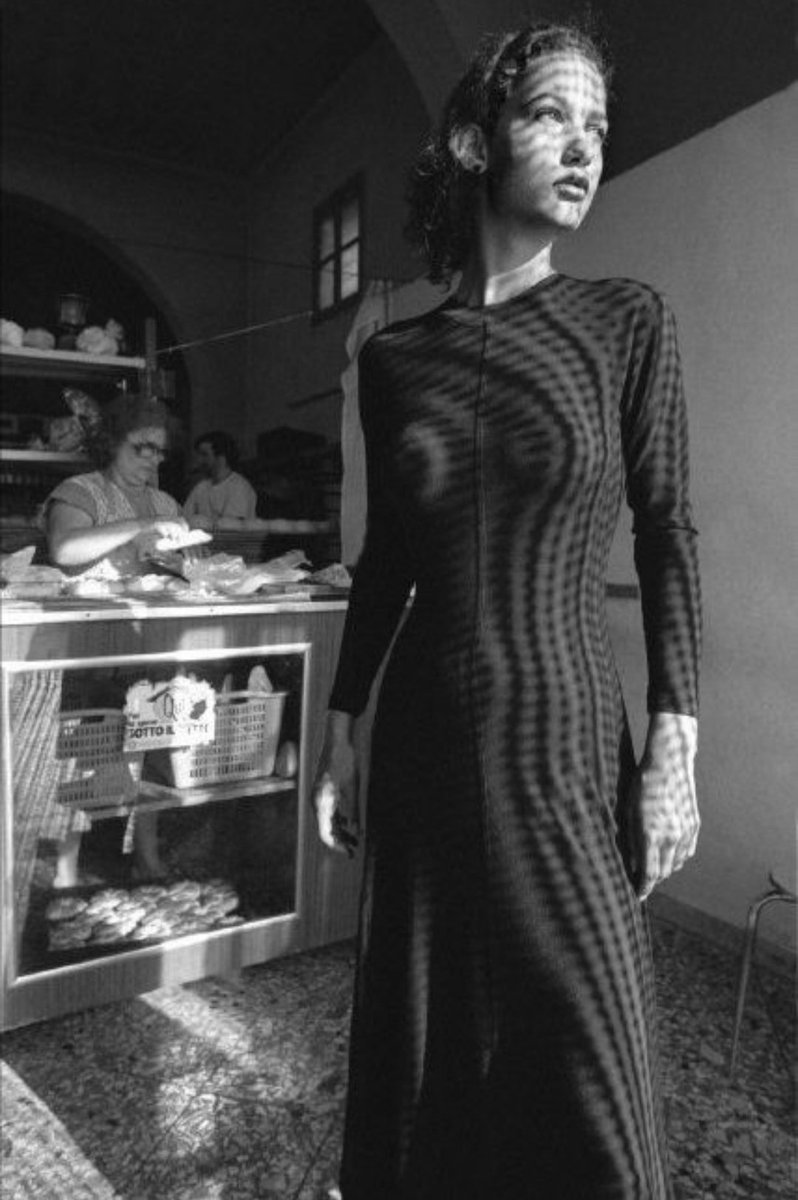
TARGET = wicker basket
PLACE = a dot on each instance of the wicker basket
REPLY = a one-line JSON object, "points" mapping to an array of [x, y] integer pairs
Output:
{"points": [[93, 771], [245, 745]]}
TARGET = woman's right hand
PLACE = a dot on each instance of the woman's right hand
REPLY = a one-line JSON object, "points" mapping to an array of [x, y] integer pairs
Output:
{"points": [[335, 788], [171, 527], [155, 533]]}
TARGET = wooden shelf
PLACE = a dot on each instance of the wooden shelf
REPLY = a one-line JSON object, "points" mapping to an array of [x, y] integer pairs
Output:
{"points": [[66, 364], [152, 797], [49, 458]]}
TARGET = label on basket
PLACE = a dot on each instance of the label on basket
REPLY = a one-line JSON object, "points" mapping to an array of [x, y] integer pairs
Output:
{"points": [[180, 712]]}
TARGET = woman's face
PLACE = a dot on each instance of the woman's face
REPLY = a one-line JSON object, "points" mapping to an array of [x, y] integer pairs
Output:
{"points": [[139, 455], [546, 154]]}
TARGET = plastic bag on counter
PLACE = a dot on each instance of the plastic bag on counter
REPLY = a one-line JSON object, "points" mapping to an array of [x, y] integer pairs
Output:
{"points": [[334, 575], [20, 579], [13, 566], [230, 575]]}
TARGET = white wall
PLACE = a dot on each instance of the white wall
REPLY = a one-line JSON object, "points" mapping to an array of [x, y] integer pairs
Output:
{"points": [[371, 121], [713, 223]]}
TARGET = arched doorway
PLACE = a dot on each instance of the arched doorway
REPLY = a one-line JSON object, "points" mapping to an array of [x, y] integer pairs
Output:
{"points": [[46, 254]]}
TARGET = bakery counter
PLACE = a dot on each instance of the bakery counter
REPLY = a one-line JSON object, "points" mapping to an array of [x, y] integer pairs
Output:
{"points": [[258, 541], [156, 762], [261, 540]]}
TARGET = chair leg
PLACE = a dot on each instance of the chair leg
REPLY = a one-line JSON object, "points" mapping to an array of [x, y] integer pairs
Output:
{"points": [[754, 913]]}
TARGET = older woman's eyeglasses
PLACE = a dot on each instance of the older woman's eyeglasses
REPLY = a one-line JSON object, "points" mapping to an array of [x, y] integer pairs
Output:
{"points": [[149, 450]]}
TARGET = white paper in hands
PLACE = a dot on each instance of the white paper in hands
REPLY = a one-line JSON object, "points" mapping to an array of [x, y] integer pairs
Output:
{"points": [[180, 539]]}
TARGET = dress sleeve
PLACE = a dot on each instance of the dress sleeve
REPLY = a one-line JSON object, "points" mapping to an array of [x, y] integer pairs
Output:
{"points": [[383, 575], [74, 492], [655, 445]]}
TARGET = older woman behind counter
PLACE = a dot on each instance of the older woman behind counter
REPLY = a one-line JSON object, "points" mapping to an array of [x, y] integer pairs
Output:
{"points": [[104, 520], [114, 514]]}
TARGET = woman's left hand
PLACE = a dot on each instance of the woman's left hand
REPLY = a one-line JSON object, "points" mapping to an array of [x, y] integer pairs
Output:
{"points": [[663, 811]]}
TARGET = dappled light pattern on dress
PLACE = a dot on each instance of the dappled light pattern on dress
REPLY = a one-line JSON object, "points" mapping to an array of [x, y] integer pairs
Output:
{"points": [[502, 1042]]}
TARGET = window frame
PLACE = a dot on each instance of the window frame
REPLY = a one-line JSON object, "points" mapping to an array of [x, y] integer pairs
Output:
{"points": [[333, 206]]}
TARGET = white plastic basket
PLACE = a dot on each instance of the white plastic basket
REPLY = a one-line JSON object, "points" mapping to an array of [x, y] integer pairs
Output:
{"points": [[93, 771], [247, 733]]}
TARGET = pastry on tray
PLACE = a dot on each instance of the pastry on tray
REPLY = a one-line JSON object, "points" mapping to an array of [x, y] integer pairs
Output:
{"points": [[147, 912], [64, 908]]}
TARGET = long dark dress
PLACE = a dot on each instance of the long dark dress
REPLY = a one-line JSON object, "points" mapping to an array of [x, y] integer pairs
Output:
{"points": [[501, 1041]]}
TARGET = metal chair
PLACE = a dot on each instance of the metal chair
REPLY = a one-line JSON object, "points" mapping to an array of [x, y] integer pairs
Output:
{"points": [[778, 891]]}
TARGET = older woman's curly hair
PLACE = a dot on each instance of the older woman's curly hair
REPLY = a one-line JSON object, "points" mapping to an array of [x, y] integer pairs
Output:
{"points": [[121, 416], [442, 195]]}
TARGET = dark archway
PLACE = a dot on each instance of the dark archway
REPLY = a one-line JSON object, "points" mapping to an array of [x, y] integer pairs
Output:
{"points": [[46, 253]]}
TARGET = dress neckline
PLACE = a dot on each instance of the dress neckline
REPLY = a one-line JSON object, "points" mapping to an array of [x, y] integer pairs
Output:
{"points": [[475, 314], [138, 498]]}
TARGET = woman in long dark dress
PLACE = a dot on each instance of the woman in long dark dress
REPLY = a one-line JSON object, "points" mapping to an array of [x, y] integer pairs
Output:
{"points": [[502, 1043]]}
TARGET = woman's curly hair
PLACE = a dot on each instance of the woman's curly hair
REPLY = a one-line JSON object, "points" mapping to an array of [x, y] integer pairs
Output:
{"points": [[121, 416], [442, 194]]}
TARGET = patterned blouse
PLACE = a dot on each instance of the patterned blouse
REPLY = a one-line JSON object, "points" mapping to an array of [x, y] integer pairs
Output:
{"points": [[105, 502]]}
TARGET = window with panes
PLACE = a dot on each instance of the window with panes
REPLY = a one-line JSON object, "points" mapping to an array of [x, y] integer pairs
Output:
{"points": [[338, 248]]}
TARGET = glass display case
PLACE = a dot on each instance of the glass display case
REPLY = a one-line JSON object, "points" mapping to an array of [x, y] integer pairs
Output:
{"points": [[126, 837], [156, 764]]}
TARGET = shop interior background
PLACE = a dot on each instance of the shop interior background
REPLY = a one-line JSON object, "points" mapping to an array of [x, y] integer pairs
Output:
{"points": [[189, 146]]}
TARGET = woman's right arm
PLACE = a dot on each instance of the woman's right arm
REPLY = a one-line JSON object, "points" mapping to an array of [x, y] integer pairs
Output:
{"points": [[73, 540], [661, 812], [381, 585], [335, 787]]}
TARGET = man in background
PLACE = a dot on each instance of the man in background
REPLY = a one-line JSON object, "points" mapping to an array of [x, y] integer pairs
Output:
{"points": [[223, 494]]}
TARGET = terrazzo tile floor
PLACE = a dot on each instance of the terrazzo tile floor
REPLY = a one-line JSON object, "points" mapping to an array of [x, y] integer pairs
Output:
{"points": [[231, 1089]]}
